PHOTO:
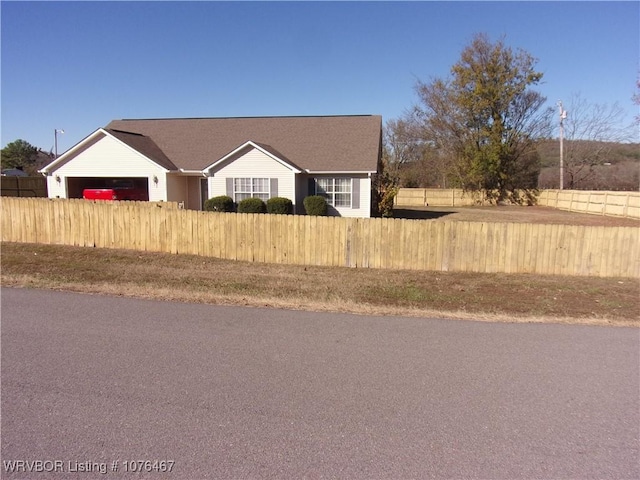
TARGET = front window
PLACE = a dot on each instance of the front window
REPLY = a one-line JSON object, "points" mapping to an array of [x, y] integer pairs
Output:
{"points": [[337, 191], [250, 187]]}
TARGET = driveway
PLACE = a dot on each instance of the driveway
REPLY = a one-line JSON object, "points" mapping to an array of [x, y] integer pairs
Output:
{"points": [[95, 382]]}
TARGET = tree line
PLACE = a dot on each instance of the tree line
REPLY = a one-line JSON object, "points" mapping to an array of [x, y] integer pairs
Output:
{"points": [[21, 155]]}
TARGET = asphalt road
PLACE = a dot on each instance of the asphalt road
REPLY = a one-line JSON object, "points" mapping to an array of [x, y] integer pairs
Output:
{"points": [[230, 392]]}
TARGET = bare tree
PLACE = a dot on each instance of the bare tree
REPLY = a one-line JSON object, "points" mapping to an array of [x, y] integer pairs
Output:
{"points": [[402, 146], [591, 130]]}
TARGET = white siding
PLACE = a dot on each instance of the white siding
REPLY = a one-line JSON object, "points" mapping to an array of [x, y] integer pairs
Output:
{"points": [[158, 191], [365, 201], [253, 164], [364, 209], [56, 189], [109, 158]]}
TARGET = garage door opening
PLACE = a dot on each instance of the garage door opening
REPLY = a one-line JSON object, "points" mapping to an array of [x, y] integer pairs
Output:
{"points": [[76, 185]]}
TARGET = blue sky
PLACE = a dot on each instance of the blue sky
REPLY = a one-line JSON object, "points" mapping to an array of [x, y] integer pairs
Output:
{"points": [[78, 65]]}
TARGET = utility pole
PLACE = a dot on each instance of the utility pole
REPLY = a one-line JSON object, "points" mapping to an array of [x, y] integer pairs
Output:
{"points": [[563, 115], [56, 131]]}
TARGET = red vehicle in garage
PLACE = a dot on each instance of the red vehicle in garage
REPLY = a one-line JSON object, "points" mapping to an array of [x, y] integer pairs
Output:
{"points": [[118, 191]]}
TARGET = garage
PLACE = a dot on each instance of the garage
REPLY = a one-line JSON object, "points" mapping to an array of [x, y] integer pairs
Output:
{"points": [[76, 185], [106, 160]]}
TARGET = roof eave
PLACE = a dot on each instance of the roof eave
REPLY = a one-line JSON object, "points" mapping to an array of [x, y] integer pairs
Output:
{"points": [[48, 169], [192, 172]]}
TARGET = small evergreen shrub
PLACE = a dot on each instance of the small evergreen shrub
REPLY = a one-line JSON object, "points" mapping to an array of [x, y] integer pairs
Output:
{"points": [[223, 203], [315, 205], [385, 205], [252, 205], [280, 205]]}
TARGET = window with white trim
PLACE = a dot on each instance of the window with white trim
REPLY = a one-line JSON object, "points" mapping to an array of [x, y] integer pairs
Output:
{"points": [[337, 191], [250, 187]]}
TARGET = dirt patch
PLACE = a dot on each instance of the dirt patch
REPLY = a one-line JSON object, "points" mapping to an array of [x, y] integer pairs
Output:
{"points": [[514, 214]]}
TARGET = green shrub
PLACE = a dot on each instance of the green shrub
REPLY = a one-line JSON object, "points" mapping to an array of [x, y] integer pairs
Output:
{"points": [[252, 205], [315, 205], [280, 205], [223, 203]]}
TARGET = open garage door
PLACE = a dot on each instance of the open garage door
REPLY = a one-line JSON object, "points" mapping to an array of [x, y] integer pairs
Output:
{"points": [[75, 185]]}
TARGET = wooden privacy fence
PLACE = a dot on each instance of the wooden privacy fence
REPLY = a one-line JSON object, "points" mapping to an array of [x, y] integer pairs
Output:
{"points": [[329, 241], [434, 197], [23, 186], [620, 204]]}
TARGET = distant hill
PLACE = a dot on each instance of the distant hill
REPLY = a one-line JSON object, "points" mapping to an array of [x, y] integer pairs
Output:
{"points": [[591, 165], [549, 150]]}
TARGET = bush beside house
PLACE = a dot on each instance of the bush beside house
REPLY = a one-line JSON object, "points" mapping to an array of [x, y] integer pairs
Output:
{"points": [[252, 205], [223, 203], [280, 205], [315, 205]]}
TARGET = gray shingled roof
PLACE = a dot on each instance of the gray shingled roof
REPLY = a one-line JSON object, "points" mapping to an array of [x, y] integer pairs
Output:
{"points": [[332, 143]]}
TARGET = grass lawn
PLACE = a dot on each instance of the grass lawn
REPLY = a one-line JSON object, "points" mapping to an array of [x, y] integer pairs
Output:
{"points": [[490, 297]]}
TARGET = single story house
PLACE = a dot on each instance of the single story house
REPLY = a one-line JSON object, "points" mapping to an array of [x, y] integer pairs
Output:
{"points": [[192, 159]]}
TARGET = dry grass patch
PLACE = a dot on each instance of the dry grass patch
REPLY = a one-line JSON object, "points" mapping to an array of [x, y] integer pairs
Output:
{"points": [[513, 214], [495, 297]]}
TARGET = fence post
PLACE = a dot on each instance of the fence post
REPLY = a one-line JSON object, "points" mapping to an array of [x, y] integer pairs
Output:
{"points": [[571, 201], [625, 209]]}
